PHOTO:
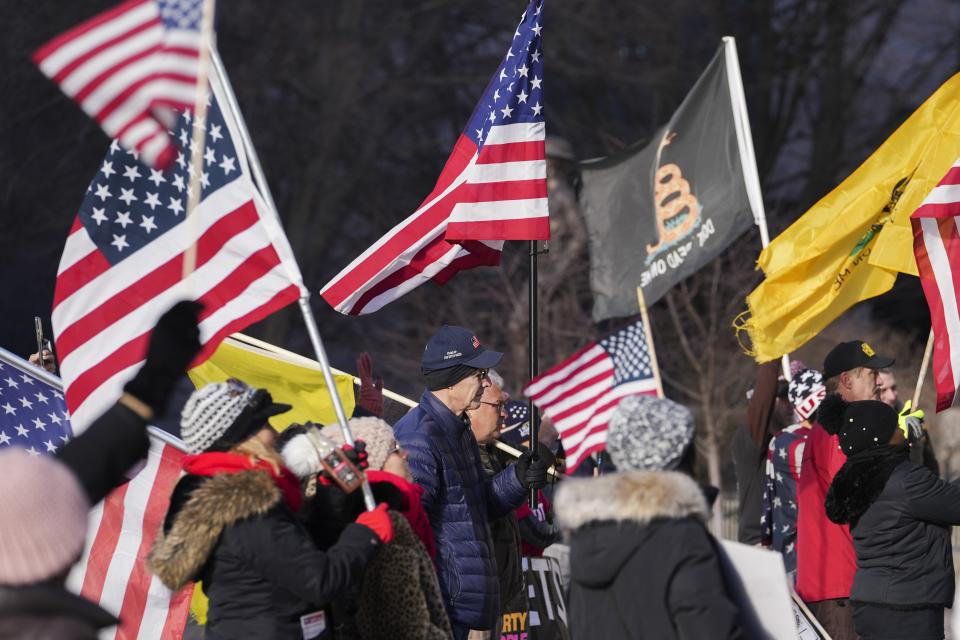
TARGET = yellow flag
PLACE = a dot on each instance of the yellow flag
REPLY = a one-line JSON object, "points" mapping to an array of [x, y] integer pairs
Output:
{"points": [[851, 245], [290, 379]]}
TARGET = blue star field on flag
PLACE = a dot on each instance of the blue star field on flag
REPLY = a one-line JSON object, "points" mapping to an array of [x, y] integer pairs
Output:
{"points": [[515, 93], [33, 414], [128, 204], [628, 350]]}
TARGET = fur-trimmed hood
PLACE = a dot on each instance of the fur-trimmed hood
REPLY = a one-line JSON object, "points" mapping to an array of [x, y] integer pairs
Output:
{"points": [[632, 496], [201, 508]]}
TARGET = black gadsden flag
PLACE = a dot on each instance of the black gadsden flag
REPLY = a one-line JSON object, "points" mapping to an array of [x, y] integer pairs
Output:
{"points": [[657, 214]]}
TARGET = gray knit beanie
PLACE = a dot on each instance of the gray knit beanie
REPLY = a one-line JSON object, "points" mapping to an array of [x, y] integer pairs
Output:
{"points": [[648, 434], [220, 415]]}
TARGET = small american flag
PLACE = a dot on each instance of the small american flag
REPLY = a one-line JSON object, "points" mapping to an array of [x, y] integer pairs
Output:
{"points": [[121, 529], [33, 414], [580, 393], [937, 249], [122, 263], [493, 188], [129, 68]]}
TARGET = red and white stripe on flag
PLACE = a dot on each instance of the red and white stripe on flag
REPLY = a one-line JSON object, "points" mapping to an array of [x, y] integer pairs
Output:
{"points": [[477, 192], [579, 396], [113, 572], [128, 68], [936, 228]]}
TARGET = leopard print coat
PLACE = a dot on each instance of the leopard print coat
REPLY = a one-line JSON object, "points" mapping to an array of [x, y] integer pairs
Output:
{"points": [[400, 597]]}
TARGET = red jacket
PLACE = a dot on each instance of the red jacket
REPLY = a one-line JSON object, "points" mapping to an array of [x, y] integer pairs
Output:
{"points": [[826, 560]]}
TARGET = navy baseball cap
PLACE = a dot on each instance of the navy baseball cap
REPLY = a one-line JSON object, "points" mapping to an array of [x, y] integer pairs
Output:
{"points": [[516, 427], [452, 346]]}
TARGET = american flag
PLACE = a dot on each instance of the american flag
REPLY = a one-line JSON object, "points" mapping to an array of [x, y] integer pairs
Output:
{"points": [[33, 414], [493, 188], [580, 393], [129, 68], [112, 570], [122, 263], [936, 245]]}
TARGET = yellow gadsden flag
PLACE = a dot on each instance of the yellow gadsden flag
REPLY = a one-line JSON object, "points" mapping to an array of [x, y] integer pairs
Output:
{"points": [[290, 379], [851, 245]]}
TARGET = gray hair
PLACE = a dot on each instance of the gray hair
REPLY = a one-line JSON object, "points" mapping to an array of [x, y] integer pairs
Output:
{"points": [[495, 378]]}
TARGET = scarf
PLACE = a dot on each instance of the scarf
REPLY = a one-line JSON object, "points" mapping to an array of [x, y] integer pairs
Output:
{"points": [[214, 463], [860, 481]]}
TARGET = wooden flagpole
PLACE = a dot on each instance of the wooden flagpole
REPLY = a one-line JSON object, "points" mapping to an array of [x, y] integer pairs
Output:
{"points": [[198, 140], [924, 365], [653, 351]]}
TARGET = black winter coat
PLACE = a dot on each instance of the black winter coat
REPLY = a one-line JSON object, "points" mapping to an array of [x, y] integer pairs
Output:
{"points": [[642, 564], [904, 555], [260, 570]]}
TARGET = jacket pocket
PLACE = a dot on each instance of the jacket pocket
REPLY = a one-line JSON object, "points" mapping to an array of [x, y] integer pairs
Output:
{"points": [[452, 573]]}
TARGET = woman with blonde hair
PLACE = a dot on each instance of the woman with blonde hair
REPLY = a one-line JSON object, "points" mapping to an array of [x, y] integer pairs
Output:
{"points": [[232, 524]]}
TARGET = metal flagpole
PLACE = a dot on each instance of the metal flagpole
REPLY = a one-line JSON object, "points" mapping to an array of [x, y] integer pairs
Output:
{"points": [[534, 361], [304, 302], [748, 160]]}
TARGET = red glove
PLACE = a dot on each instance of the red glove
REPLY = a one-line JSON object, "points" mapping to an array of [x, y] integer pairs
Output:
{"points": [[379, 522], [371, 391]]}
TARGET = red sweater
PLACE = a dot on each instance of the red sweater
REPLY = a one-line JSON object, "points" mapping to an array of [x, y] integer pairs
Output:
{"points": [[826, 560]]}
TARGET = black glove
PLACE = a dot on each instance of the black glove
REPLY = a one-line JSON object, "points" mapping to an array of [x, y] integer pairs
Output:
{"points": [[357, 454], [174, 343], [533, 473]]}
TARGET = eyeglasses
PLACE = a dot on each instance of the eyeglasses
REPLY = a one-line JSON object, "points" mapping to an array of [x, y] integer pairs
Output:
{"points": [[498, 405], [397, 450], [482, 374]]}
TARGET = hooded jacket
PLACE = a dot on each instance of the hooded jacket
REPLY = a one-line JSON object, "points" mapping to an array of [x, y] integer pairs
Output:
{"points": [[260, 570], [445, 460], [901, 532], [642, 565]]}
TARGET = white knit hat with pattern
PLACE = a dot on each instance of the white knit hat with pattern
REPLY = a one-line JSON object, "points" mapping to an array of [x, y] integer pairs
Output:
{"points": [[211, 410]]}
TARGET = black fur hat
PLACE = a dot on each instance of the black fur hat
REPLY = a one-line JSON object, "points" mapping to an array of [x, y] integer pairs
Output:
{"points": [[867, 424], [830, 413]]}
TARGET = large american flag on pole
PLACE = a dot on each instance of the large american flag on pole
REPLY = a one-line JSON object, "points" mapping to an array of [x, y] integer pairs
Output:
{"points": [[937, 249], [129, 68], [492, 188], [122, 263], [121, 530], [580, 394]]}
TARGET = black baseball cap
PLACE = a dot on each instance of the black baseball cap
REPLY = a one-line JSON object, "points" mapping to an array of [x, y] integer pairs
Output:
{"points": [[452, 346], [850, 355]]}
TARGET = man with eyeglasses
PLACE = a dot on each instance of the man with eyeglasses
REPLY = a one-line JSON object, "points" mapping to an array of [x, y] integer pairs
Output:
{"points": [[444, 459]]}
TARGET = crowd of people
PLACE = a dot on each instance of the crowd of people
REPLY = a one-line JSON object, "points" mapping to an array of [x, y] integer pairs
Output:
{"points": [[834, 473]]}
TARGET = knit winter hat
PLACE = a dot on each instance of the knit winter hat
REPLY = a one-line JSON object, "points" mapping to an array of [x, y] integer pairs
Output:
{"points": [[648, 433], [44, 517], [375, 433], [806, 391], [221, 415], [516, 428]]}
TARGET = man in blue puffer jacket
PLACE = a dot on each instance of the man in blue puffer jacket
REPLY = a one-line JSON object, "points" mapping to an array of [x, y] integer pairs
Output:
{"points": [[445, 460]]}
